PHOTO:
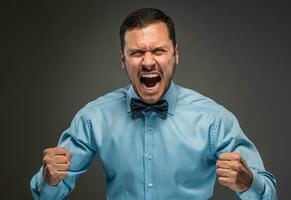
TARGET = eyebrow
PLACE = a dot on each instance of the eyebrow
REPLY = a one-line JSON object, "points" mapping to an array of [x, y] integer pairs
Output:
{"points": [[160, 49], [136, 50]]}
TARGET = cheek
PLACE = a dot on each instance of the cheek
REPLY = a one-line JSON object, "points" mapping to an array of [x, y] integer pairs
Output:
{"points": [[132, 69], [168, 68]]}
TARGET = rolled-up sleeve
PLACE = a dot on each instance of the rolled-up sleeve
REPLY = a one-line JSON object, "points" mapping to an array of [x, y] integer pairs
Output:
{"points": [[79, 141], [227, 136]]}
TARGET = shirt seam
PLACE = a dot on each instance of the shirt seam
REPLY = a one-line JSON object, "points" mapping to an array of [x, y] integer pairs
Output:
{"points": [[214, 108], [97, 103], [214, 130]]}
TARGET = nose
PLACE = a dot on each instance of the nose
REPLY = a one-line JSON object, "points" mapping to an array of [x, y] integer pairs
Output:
{"points": [[148, 61]]}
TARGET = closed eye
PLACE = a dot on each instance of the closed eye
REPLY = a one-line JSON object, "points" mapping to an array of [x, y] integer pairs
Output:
{"points": [[137, 53], [159, 51]]}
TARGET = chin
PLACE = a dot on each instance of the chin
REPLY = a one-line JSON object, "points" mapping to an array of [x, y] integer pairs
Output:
{"points": [[151, 100]]}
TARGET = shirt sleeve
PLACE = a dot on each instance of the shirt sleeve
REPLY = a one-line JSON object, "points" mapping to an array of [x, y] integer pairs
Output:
{"points": [[79, 140], [227, 136]]}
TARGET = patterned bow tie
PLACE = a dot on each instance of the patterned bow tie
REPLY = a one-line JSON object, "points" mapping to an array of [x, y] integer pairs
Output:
{"points": [[137, 108]]}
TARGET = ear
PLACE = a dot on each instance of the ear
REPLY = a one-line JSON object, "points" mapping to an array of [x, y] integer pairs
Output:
{"points": [[122, 59], [177, 53]]}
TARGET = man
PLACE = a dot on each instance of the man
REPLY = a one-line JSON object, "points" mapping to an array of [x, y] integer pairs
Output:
{"points": [[156, 140]]}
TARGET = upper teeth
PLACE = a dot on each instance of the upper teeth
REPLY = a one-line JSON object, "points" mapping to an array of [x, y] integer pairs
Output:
{"points": [[150, 75]]}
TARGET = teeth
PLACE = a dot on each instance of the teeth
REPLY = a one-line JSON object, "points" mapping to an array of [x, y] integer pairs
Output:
{"points": [[149, 75]]}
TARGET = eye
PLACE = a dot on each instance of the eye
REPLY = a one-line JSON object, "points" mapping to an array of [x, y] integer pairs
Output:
{"points": [[159, 51], [136, 53]]}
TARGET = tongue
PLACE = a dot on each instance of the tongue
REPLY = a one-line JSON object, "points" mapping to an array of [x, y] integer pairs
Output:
{"points": [[150, 82]]}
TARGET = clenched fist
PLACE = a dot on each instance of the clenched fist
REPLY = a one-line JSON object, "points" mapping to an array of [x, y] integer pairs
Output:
{"points": [[56, 162], [233, 172]]}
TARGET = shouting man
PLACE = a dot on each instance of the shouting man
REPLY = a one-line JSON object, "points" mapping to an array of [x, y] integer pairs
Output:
{"points": [[156, 139]]}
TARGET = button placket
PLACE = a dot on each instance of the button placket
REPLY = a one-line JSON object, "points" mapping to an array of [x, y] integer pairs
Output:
{"points": [[148, 156]]}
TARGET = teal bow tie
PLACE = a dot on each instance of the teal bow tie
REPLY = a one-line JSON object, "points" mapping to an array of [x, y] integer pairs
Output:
{"points": [[138, 107]]}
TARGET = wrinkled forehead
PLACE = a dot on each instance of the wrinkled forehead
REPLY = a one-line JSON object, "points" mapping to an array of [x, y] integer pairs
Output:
{"points": [[149, 36]]}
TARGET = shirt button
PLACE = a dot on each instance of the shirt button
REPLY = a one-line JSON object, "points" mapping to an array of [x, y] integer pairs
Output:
{"points": [[150, 157], [150, 129], [150, 184]]}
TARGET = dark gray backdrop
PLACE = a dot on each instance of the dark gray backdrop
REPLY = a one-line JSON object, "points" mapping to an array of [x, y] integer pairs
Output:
{"points": [[57, 56]]}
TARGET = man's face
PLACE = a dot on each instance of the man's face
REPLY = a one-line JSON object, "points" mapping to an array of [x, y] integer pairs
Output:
{"points": [[149, 59]]}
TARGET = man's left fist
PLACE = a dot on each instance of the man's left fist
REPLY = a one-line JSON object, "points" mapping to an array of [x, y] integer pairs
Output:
{"points": [[233, 172]]}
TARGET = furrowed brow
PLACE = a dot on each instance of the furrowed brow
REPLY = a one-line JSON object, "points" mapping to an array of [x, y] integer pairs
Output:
{"points": [[159, 49], [136, 51]]}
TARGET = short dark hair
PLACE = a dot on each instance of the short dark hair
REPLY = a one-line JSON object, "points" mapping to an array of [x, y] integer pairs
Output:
{"points": [[143, 17]]}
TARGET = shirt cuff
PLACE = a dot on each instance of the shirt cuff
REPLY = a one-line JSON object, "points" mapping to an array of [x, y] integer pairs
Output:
{"points": [[256, 189], [46, 190]]}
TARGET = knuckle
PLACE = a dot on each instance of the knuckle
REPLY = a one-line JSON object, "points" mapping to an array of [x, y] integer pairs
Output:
{"points": [[69, 155], [49, 167], [236, 165], [64, 159], [220, 180], [68, 166], [58, 150], [46, 151], [235, 174], [46, 160], [62, 149], [237, 156]]}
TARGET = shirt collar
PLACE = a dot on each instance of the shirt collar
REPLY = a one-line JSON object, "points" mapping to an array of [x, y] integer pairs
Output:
{"points": [[170, 96]]}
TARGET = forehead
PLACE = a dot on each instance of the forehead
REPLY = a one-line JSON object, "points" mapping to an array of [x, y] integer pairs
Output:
{"points": [[150, 35]]}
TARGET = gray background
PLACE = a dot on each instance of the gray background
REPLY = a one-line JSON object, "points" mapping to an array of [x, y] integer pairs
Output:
{"points": [[57, 56]]}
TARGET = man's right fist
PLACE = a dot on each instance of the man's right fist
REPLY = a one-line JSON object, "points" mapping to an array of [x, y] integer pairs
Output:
{"points": [[56, 162]]}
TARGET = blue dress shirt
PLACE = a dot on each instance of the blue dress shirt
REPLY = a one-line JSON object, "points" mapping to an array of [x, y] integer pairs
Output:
{"points": [[150, 158]]}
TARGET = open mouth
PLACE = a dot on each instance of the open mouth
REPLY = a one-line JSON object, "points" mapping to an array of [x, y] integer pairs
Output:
{"points": [[150, 80]]}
